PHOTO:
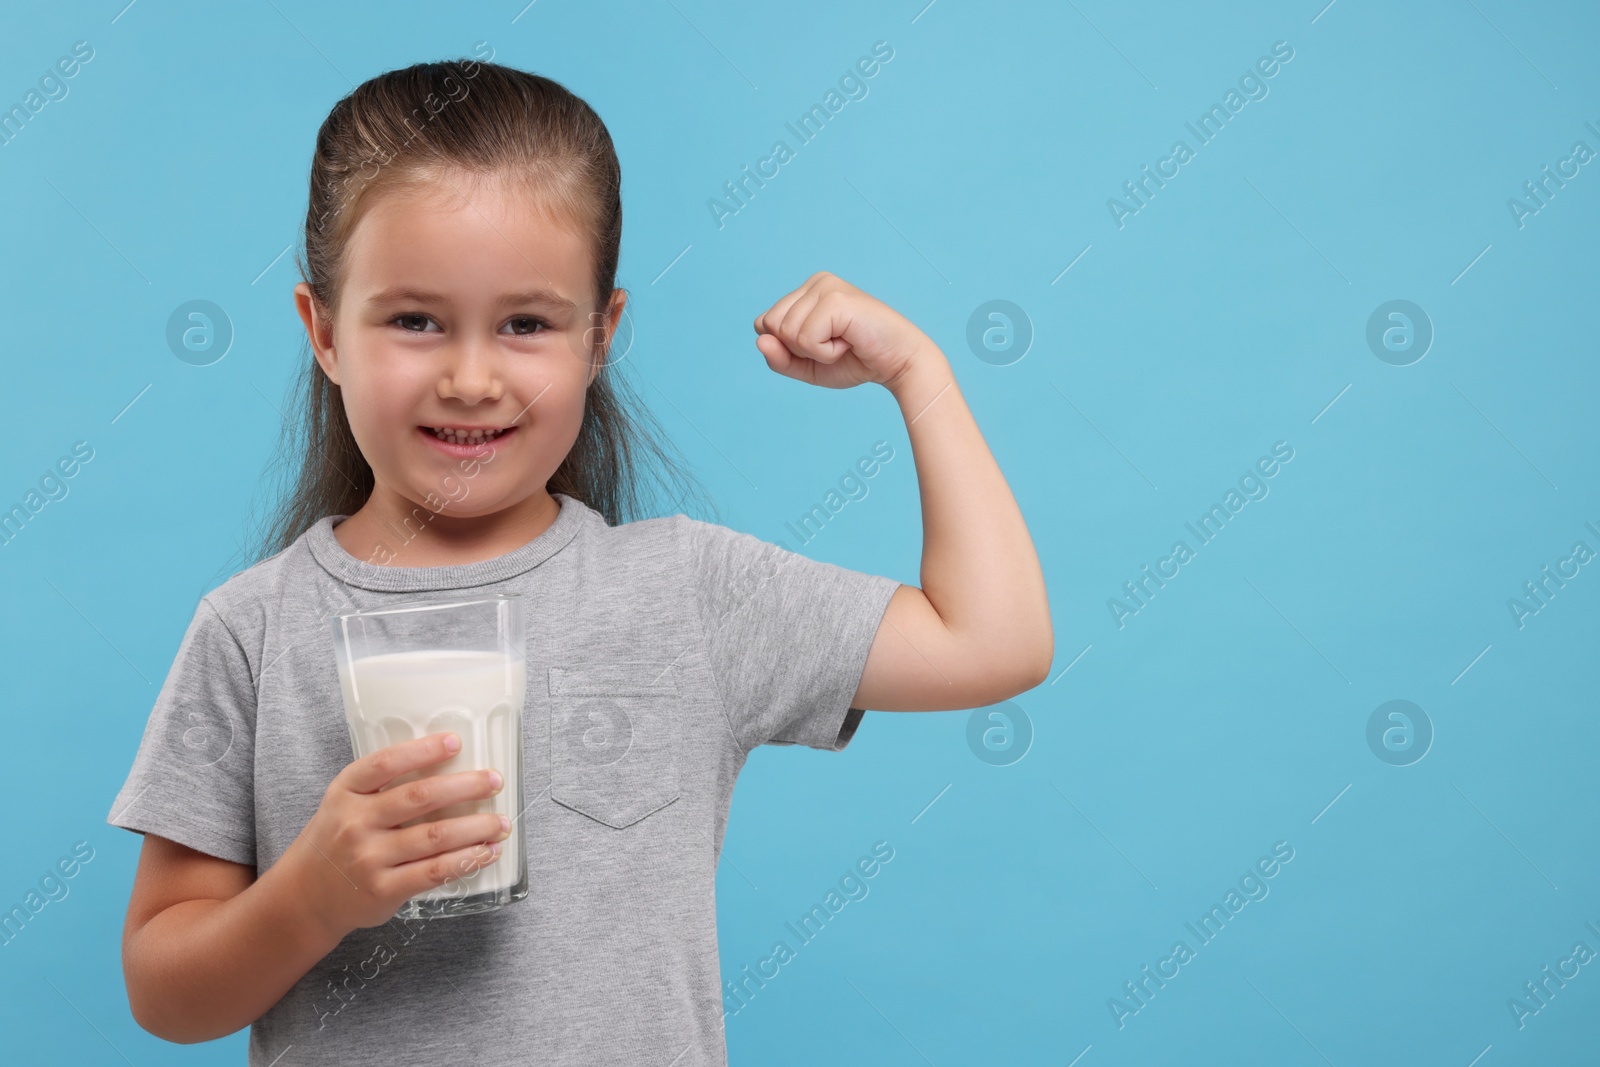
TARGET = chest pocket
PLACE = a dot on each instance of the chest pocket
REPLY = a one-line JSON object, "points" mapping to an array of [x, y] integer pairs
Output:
{"points": [[614, 737]]}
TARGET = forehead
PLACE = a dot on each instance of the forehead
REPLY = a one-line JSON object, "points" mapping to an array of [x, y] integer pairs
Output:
{"points": [[468, 238]]}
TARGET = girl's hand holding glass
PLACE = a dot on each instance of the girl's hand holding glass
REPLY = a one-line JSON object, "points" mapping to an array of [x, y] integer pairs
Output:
{"points": [[359, 862]]}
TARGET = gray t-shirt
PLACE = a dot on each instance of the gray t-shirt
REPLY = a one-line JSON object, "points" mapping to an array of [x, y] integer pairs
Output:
{"points": [[612, 957]]}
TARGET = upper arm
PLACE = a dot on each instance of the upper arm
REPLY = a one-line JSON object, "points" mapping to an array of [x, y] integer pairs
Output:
{"points": [[170, 873], [917, 664], [193, 776]]}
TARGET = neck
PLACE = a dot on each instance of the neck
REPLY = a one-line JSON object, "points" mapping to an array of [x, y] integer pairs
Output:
{"points": [[390, 530]]}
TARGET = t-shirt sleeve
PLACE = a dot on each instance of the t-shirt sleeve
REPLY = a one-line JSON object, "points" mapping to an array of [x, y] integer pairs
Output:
{"points": [[787, 636], [193, 777]]}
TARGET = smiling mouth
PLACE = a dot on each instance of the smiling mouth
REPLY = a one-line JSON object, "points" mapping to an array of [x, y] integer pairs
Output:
{"points": [[455, 435]]}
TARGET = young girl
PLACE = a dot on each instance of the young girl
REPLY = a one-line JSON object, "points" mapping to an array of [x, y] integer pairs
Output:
{"points": [[465, 435]]}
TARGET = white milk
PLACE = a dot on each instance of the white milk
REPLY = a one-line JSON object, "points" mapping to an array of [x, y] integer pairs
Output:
{"points": [[404, 695]]}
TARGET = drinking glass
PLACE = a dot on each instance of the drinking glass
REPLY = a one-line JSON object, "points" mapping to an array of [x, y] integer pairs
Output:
{"points": [[422, 666]]}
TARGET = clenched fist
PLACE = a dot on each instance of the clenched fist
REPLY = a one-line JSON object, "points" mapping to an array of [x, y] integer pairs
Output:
{"points": [[829, 333]]}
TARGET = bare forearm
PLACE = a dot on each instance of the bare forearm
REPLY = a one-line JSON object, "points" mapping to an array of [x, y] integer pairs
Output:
{"points": [[980, 570], [203, 969]]}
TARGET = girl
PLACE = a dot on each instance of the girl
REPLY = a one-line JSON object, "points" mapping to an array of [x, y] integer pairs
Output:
{"points": [[463, 432]]}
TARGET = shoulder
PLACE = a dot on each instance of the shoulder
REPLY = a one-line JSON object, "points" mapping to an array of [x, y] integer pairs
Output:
{"points": [[695, 543], [634, 552], [686, 551], [727, 567], [249, 601], [257, 581]]}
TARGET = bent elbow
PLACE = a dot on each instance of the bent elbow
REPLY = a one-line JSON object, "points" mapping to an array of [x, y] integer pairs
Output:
{"points": [[1018, 676], [1042, 660], [172, 1030], [154, 1023], [1033, 675], [1041, 671], [156, 1012], [1016, 671]]}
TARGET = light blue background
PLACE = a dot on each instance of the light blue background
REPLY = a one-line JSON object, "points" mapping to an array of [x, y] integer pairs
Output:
{"points": [[1229, 314]]}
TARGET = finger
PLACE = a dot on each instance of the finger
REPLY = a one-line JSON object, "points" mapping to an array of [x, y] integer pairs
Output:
{"points": [[442, 835], [422, 875], [786, 327], [783, 361], [845, 373], [410, 800], [377, 769], [820, 333], [767, 321]]}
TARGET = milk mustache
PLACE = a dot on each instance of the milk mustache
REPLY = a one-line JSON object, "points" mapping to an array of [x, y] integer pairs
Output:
{"points": [[399, 696]]}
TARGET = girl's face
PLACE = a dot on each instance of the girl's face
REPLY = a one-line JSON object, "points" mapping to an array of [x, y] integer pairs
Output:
{"points": [[465, 315]]}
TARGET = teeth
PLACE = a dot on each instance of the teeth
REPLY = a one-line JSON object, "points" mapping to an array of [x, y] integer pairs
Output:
{"points": [[465, 437]]}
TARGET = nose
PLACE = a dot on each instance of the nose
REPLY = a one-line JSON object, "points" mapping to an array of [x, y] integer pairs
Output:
{"points": [[471, 373]]}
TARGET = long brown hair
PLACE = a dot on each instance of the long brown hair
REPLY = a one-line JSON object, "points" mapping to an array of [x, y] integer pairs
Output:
{"points": [[466, 116]]}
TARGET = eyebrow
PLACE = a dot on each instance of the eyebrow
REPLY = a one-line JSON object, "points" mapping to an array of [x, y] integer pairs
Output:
{"points": [[401, 294]]}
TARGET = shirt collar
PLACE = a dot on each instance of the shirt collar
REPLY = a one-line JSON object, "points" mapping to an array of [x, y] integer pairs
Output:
{"points": [[339, 563]]}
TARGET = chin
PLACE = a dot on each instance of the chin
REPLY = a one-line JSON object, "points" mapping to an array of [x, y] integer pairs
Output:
{"points": [[477, 506]]}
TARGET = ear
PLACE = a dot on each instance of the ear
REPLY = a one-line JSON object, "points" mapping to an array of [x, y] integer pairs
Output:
{"points": [[319, 328], [612, 317]]}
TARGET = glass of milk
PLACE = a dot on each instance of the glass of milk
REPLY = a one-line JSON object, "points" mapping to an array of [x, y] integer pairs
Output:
{"points": [[418, 667]]}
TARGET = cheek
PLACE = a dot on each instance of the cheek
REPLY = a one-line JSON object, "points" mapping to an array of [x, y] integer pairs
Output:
{"points": [[364, 408], [557, 417], [379, 391], [379, 405], [560, 384]]}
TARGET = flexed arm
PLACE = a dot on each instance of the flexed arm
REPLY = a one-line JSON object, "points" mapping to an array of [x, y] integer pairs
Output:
{"points": [[978, 630]]}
